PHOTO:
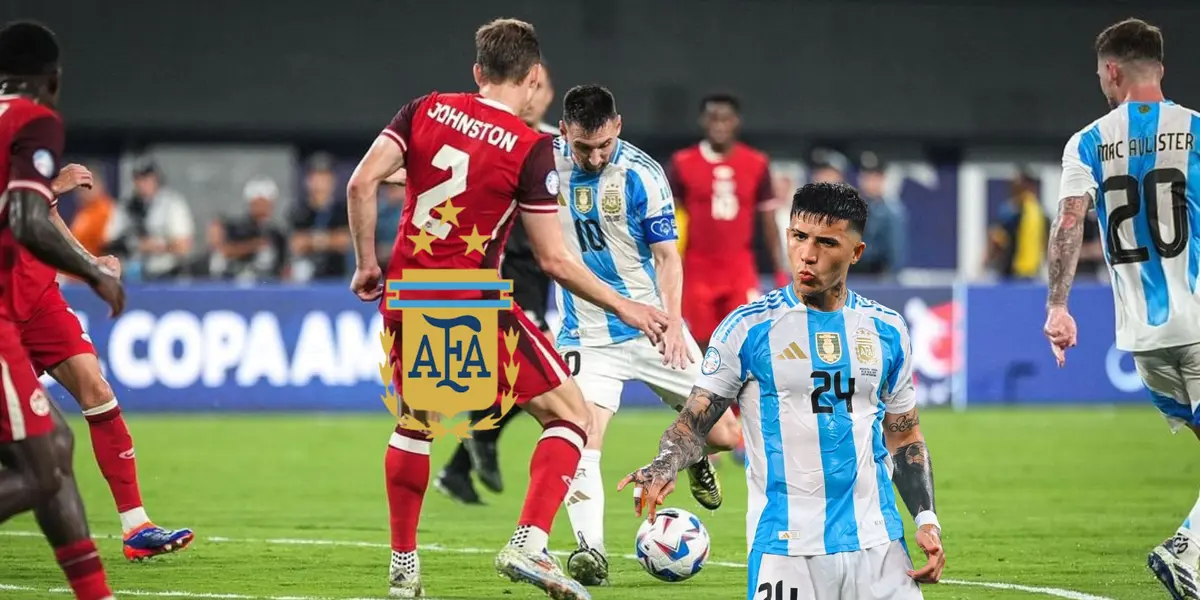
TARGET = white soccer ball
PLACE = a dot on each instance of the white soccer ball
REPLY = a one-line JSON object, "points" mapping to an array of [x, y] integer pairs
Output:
{"points": [[674, 546]]}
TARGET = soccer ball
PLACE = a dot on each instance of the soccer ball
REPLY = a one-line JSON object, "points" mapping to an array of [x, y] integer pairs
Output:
{"points": [[674, 546]]}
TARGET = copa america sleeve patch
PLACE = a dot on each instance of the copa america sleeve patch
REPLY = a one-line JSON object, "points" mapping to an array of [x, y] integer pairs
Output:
{"points": [[552, 182], [43, 162], [712, 361]]}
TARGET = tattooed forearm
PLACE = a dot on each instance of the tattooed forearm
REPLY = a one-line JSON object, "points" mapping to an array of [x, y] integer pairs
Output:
{"points": [[1066, 240], [682, 444], [914, 477], [905, 422]]}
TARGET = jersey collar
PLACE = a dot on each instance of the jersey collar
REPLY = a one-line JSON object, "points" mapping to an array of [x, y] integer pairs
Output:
{"points": [[497, 105], [711, 155]]}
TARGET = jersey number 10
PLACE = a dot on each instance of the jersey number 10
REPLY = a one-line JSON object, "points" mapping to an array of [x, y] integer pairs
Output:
{"points": [[1146, 194]]}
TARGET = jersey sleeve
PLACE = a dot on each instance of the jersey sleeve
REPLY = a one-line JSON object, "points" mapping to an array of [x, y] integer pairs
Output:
{"points": [[721, 371], [1077, 176], [650, 196], [401, 126], [537, 185], [36, 150], [899, 395], [764, 192]]}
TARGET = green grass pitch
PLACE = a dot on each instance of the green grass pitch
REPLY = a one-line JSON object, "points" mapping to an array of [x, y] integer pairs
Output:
{"points": [[293, 506]]}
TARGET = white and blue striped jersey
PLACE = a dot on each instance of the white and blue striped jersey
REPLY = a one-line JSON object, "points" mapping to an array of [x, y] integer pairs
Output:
{"points": [[610, 219], [814, 388], [1140, 165]]}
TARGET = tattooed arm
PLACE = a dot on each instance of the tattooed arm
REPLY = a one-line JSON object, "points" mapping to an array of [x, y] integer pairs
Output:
{"points": [[1066, 241], [914, 472]]}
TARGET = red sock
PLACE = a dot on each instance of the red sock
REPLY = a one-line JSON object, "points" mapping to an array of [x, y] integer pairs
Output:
{"points": [[407, 467], [114, 453], [550, 472], [81, 563]]}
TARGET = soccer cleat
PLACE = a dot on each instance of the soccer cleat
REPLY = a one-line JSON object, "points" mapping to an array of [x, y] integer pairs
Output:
{"points": [[1176, 574], [402, 584], [485, 463], [587, 565], [540, 570], [706, 486], [458, 487], [150, 540]]}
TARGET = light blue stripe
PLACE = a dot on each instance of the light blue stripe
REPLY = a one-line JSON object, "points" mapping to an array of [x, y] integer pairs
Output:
{"points": [[1193, 206], [1144, 128], [1089, 144], [396, 285], [789, 294], [568, 332], [1172, 407], [753, 566], [600, 262], [394, 304], [893, 351], [635, 218], [756, 353], [839, 460]]}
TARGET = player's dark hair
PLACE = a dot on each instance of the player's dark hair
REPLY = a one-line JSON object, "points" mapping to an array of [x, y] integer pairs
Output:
{"points": [[831, 202], [721, 98], [27, 49], [589, 106], [506, 50], [1130, 40]]}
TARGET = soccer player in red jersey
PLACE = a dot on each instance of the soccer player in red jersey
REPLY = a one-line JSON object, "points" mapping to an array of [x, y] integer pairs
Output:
{"points": [[722, 184], [472, 165], [35, 443]]}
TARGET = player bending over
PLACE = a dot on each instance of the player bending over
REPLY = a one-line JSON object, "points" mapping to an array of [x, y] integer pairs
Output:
{"points": [[824, 379], [475, 179], [36, 445], [619, 219], [1137, 164]]}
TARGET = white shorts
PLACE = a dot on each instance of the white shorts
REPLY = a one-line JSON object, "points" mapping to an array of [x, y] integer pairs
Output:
{"points": [[601, 371], [879, 573], [1173, 377]]}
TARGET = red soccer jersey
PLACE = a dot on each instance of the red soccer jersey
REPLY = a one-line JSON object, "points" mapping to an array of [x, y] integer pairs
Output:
{"points": [[33, 134], [722, 196], [472, 163]]}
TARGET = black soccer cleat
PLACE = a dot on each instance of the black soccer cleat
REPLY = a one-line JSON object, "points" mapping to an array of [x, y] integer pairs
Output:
{"points": [[457, 486], [485, 463]]}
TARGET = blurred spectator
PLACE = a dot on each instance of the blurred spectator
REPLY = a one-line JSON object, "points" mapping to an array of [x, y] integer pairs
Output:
{"points": [[320, 240], [828, 166], [249, 247], [391, 207], [886, 223], [94, 210], [1017, 240], [535, 111], [152, 230]]}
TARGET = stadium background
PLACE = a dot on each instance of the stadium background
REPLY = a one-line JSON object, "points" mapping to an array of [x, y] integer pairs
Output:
{"points": [[956, 99]]}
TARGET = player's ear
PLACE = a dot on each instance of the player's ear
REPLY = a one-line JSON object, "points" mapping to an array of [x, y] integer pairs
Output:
{"points": [[477, 71], [858, 250], [562, 128]]}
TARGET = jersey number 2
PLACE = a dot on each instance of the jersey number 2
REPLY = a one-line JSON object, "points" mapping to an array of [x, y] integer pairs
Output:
{"points": [[1146, 195], [448, 158], [835, 382]]}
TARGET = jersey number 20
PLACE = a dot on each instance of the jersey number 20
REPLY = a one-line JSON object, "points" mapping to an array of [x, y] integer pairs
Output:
{"points": [[1146, 195], [456, 161]]}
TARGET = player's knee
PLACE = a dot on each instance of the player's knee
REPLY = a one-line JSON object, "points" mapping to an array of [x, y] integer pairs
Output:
{"points": [[64, 446], [95, 391]]}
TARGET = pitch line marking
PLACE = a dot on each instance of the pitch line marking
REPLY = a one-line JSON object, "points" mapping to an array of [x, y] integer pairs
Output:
{"points": [[1045, 591]]}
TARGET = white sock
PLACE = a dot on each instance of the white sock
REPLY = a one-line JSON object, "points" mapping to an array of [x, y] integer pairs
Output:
{"points": [[132, 519], [585, 501], [1191, 525], [405, 562], [530, 538]]}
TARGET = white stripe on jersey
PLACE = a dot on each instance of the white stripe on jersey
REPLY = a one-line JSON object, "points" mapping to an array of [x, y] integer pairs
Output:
{"points": [[1141, 164]]}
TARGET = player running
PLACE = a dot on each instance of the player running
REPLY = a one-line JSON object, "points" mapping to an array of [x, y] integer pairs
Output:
{"points": [[36, 445], [824, 378], [619, 219], [472, 161], [1140, 166]]}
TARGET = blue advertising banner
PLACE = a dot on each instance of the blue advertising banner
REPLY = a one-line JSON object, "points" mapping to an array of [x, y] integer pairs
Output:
{"points": [[1009, 360]]}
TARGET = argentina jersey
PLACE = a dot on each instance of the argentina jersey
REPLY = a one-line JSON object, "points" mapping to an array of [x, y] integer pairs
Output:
{"points": [[813, 389], [610, 219], [1140, 165]]}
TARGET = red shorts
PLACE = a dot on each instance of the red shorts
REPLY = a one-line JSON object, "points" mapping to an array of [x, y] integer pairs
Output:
{"points": [[24, 404], [540, 368], [53, 333], [708, 300]]}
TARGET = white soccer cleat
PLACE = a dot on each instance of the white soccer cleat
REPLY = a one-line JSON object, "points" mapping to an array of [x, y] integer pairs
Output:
{"points": [[403, 584], [1176, 568], [541, 570]]}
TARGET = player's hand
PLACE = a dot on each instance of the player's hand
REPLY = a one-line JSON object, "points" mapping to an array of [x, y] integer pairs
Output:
{"points": [[647, 319], [110, 289], [367, 283], [653, 483], [1060, 330], [70, 177], [111, 263], [929, 538], [674, 348]]}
